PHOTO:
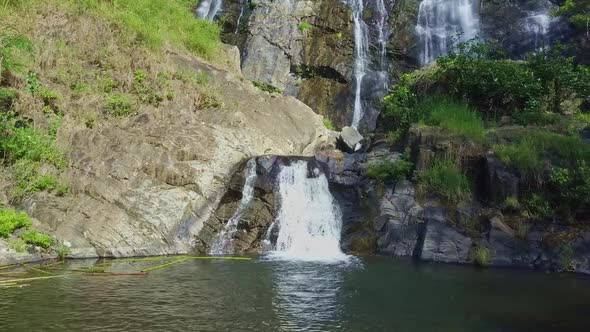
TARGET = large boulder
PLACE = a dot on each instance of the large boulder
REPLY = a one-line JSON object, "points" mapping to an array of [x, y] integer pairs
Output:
{"points": [[350, 139]]}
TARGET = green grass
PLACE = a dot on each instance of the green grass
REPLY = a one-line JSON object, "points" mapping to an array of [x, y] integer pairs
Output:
{"points": [[529, 154], [119, 104], [445, 179], [11, 220], [481, 256], [33, 237], [267, 87], [328, 124], [304, 26], [456, 117], [28, 143], [7, 98], [18, 245], [158, 22], [386, 170]]}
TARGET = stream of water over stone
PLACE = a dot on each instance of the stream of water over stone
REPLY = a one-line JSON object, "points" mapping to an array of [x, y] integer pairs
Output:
{"points": [[223, 242], [309, 222], [208, 9]]}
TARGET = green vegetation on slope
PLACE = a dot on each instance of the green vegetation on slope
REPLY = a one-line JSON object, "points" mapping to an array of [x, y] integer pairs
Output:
{"points": [[444, 178]]}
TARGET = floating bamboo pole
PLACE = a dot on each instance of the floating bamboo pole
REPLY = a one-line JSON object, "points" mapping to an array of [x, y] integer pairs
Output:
{"points": [[36, 269], [164, 265], [3, 282]]}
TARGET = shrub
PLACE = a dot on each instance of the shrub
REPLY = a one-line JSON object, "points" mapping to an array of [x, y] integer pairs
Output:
{"points": [[28, 143], [538, 207], [15, 50], [11, 220], [445, 179], [119, 104], [33, 237], [387, 170], [45, 182], [48, 96], [328, 124], [456, 117], [481, 256]]}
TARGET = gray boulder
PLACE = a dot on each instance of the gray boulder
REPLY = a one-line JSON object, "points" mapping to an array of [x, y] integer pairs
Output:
{"points": [[350, 139]]}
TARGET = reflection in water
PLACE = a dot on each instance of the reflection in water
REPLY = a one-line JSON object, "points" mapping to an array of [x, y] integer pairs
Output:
{"points": [[307, 295]]}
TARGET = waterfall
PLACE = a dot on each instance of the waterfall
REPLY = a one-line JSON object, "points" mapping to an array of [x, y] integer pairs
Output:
{"points": [[207, 9], [536, 25], [309, 222], [223, 242], [361, 46], [243, 4], [382, 36], [441, 22]]}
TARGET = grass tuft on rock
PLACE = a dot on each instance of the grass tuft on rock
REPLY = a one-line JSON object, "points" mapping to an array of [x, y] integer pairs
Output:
{"points": [[444, 178], [11, 220], [456, 117]]}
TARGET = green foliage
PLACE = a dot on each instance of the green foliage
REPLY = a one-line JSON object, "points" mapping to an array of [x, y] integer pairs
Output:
{"points": [[577, 12], [267, 87], [45, 183], [304, 26], [524, 156], [33, 237], [48, 96], [62, 251], [15, 50], [571, 186], [120, 104], [107, 84], [456, 117], [328, 124], [565, 256], [480, 75], [11, 220], [27, 143], [386, 170], [537, 118], [145, 92], [494, 84], [7, 98], [18, 245], [533, 149], [33, 83], [158, 22], [444, 178], [481, 256], [511, 203], [538, 207]]}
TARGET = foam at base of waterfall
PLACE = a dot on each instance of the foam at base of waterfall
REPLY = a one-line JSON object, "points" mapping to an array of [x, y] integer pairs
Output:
{"points": [[309, 222]]}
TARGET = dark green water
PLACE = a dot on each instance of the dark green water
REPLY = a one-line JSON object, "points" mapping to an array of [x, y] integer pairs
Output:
{"points": [[376, 295]]}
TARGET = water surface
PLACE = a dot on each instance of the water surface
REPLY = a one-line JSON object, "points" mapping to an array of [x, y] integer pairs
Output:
{"points": [[373, 294]]}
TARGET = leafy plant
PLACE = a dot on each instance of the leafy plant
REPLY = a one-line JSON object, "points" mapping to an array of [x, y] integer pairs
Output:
{"points": [[33, 237], [119, 104], [11, 220], [62, 251], [511, 203], [538, 207]]}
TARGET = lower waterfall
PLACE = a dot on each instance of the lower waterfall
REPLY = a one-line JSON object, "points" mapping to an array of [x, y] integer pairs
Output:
{"points": [[309, 222], [223, 242]]}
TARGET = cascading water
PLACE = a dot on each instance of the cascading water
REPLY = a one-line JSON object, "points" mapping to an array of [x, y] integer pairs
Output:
{"points": [[537, 24], [361, 46], [309, 222], [441, 22], [383, 33], [223, 243], [207, 9]]}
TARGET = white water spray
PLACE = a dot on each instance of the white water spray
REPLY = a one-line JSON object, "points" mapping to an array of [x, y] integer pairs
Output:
{"points": [[223, 243], [537, 25], [361, 46], [309, 221], [441, 22], [207, 9]]}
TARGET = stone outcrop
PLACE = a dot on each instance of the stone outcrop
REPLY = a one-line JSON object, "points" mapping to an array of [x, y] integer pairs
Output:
{"points": [[146, 184]]}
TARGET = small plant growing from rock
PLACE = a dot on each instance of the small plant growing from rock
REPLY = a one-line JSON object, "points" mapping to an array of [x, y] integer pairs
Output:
{"points": [[267, 87], [481, 256], [511, 204], [18, 245], [62, 251], [304, 26], [328, 124]]}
